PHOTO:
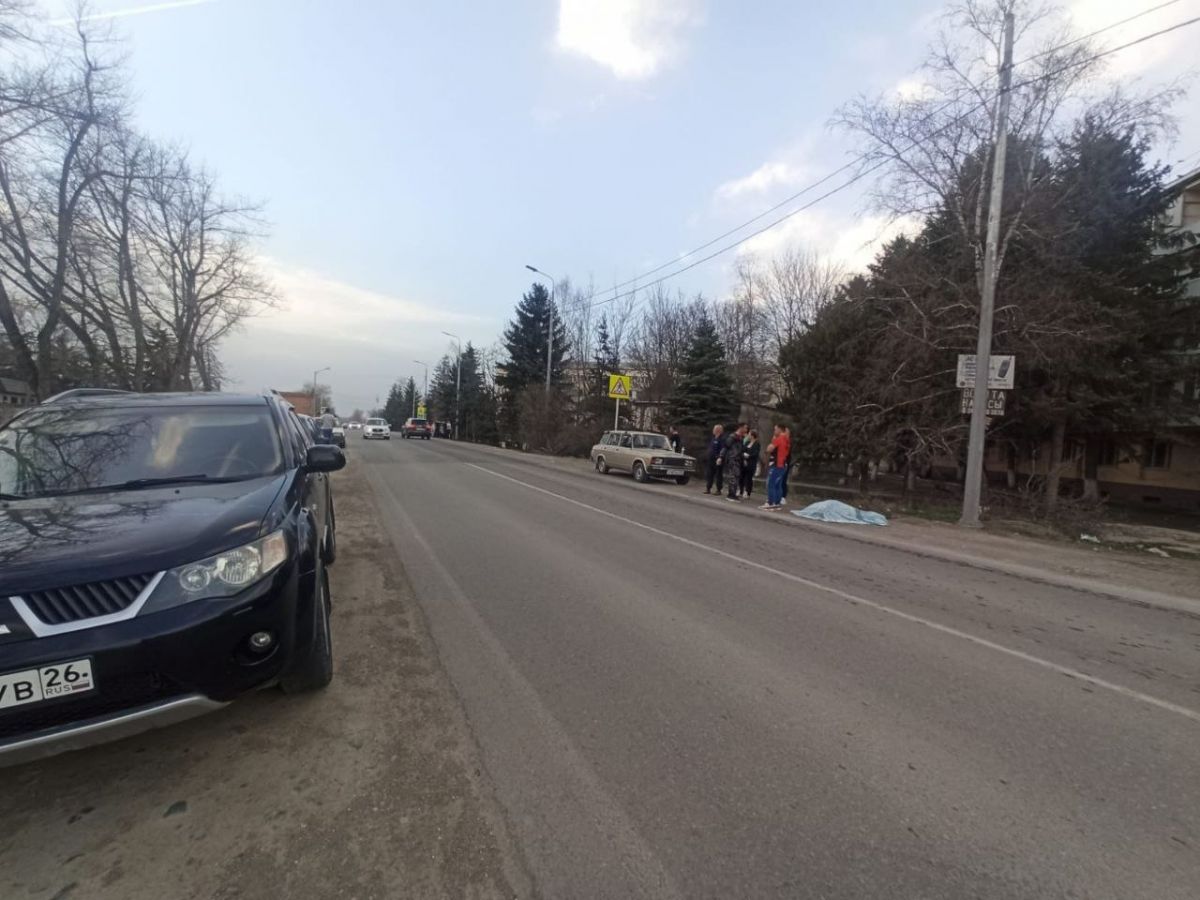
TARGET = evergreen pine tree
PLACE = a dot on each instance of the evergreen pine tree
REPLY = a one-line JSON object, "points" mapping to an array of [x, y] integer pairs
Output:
{"points": [[703, 394], [604, 363], [525, 343]]}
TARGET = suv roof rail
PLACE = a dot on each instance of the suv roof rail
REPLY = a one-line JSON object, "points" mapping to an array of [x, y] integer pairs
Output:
{"points": [[83, 392]]}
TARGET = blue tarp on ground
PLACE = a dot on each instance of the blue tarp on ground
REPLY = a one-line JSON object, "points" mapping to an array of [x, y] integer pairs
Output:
{"points": [[837, 511]]}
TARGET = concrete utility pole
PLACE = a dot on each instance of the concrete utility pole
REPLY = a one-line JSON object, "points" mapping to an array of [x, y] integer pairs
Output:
{"points": [[550, 333], [317, 412], [987, 300]]}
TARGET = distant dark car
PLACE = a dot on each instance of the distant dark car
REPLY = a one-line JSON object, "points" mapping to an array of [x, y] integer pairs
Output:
{"points": [[417, 428], [159, 556]]}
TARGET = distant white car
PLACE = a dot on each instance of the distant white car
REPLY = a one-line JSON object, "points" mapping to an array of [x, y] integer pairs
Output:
{"points": [[377, 428]]}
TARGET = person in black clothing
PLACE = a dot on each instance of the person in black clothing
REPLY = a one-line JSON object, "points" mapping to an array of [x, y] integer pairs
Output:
{"points": [[732, 466], [715, 446], [750, 455], [676, 442]]}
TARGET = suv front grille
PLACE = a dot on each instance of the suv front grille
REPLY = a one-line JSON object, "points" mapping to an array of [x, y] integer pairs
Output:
{"points": [[60, 606]]}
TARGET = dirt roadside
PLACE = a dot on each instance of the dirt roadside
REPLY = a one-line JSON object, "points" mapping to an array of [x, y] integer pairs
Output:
{"points": [[369, 789]]}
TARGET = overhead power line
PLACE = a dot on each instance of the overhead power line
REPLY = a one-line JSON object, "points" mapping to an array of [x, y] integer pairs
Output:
{"points": [[870, 169], [862, 158]]}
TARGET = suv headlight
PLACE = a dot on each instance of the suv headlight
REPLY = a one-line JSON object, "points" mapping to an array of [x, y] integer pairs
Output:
{"points": [[223, 574]]}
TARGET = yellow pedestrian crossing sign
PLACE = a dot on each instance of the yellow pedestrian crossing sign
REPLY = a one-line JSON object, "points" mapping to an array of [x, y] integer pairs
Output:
{"points": [[618, 386], [420, 410]]}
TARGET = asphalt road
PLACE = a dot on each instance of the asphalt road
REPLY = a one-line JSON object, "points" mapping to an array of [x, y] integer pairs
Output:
{"points": [[670, 701]]}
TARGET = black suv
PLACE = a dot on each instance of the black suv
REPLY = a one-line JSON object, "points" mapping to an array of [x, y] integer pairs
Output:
{"points": [[160, 554]]}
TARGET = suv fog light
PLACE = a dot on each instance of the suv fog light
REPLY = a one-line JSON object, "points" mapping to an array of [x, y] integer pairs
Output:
{"points": [[261, 641]]}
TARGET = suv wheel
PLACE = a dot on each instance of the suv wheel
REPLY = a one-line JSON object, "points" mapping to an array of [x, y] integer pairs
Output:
{"points": [[639, 473], [314, 670], [601, 465]]}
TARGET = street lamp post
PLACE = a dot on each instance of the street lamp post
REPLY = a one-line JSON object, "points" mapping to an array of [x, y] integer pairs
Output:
{"points": [[457, 384], [550, 332], [317, 412], [424, 390]]}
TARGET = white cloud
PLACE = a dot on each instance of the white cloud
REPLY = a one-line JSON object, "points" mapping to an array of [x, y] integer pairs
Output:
{"points": [[912, 87], [133, 11], [633, 38], [1162, 53], [771, 174], [851, 241], [369, 339], [317, 305]]}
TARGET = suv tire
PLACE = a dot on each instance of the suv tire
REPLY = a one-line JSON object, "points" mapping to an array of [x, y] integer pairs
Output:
{"points": [[314, 670]]}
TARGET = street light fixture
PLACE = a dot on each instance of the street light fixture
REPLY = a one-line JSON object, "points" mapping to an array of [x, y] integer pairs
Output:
{"points": [[317, 412], [457, 384], [550, 332], [424, 390]]}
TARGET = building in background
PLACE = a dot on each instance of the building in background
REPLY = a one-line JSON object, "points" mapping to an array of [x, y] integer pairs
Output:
{"points": [[301, 401], [14, 392]]}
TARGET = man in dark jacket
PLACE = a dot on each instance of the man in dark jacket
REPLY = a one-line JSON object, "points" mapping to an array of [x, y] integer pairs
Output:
{"points": [[732, 466], [676, 441], [715, 448], [750, 456]]}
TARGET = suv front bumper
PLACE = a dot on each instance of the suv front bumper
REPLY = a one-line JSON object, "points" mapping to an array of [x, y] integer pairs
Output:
{"points": [[154, 669]]}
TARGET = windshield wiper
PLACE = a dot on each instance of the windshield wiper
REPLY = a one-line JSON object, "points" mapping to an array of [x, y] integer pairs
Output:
{"points": [[134, 484]]}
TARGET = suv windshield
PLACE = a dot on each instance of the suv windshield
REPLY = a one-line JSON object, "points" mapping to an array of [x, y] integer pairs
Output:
{"points": [[71, 450], [376, 422]]}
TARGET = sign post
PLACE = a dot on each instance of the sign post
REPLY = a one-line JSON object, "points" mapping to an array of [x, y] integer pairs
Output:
{"points": [[619, 387]]}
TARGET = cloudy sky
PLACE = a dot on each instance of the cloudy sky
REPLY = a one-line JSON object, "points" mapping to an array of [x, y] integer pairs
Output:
{"points": [[414, 156]]}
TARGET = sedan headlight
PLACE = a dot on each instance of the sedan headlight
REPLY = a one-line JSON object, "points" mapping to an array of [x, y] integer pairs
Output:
{"points": [[656, 461], [222, 575]]}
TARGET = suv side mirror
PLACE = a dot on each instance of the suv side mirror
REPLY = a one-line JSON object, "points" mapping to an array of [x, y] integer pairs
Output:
{"points": [[324, 458]]}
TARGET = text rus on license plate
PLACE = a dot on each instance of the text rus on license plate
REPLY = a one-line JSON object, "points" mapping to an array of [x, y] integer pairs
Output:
{"points": [[674, 471], [46, 683]]}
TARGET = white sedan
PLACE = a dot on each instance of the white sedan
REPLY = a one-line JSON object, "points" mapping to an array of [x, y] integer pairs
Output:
{"points": [[377, 428]]}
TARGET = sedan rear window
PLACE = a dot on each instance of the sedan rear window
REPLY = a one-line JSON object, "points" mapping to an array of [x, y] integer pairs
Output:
{"points": [[68, 450]]}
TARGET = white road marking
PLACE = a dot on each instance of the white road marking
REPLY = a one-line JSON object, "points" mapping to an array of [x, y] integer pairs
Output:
{"points": [[854, 598]]}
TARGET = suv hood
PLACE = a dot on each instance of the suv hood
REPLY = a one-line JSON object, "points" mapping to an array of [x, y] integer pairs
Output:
{"points": [[56, 541]]}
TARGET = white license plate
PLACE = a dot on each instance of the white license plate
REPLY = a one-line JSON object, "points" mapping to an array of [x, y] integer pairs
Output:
{"points": [[46, 683], [674, 471]]}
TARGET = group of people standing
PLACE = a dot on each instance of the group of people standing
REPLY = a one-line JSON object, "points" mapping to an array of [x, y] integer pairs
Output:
{"points": [[734, 459]]}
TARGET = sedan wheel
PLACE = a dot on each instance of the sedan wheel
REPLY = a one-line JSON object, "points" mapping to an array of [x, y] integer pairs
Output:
{"points": [[601, 465], [639, 473]]}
